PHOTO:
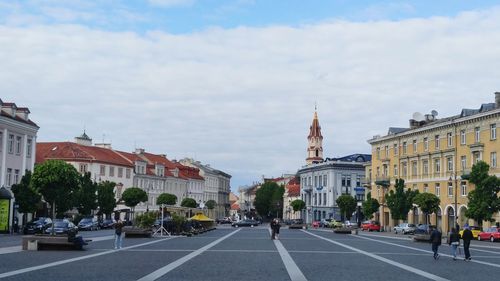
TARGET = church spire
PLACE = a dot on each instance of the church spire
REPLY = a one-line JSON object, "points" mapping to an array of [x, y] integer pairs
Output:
{"points": [[315, 141]]}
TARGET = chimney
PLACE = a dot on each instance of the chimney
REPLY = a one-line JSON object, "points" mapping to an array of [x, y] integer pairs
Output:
{"points": [[163, 155], [103, 145], [414, 123], [497, 99], [139, 151]]}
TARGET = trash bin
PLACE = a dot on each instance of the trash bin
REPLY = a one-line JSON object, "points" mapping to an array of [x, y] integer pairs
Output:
{"points": [[32, 245]]}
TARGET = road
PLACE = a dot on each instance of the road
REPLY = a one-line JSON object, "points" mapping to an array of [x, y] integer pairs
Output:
{"points": [[250, 254]]}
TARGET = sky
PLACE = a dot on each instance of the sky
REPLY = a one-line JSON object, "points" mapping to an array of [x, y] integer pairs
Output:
{"points": [[234, 84]]}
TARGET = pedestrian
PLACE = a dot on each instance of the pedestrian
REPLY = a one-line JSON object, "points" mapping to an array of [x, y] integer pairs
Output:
{"points": [[277, 227], [467, 237], [454, 242], [118, 234], [436, 238], [273, 229]]}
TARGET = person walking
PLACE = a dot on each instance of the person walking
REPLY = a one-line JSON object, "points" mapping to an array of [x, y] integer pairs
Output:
{"points": [[273, 229], [467, 237], [454, 242], [118, 234], [277, 227], [436, 238]]}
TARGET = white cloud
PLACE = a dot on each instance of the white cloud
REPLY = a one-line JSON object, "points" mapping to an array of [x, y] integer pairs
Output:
{"points": [[243, 99], [171, 3]]}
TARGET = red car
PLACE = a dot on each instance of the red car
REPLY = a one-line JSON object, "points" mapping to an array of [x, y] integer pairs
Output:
{"points": [[492, 234], [315, 224], [371, 226]]}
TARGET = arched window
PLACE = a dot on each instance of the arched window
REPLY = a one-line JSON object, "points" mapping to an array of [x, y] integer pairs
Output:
{"points": [[317, 153]]}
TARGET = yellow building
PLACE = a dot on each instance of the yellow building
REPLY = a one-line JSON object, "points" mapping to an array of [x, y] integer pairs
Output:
{"points": [[431, 156]]}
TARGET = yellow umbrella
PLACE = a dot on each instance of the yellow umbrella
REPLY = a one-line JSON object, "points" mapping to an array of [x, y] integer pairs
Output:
{"points": [[201, 217]]}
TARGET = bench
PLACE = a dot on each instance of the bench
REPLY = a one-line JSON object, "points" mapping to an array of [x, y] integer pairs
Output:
{"points": [[131, 231], [41, 242]]}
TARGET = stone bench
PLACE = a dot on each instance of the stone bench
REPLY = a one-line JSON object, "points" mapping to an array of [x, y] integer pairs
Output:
{"points": [[41, 242], [131, 231]]}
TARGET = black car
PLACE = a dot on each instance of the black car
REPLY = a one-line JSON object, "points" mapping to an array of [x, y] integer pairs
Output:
{"points": [[88, 224], [247, 222], [107, 223], [224, 221], [62, 227], [37, 225]]}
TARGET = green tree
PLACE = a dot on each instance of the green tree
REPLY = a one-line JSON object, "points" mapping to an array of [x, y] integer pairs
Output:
{"points": [[167, 199], [347, 205], [370, 206], [210, 204], [106, 197], [269, 199], [277, 201], [56, 181], [133, 196], [26, 197], [85, 196], [428, 203], [400, 201], [298, 205], [146, 220], [189, 202], [483, 200]]}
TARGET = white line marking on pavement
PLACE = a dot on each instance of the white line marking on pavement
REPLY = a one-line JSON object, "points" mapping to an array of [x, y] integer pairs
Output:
{"points": [[291, 267], [44, 266], [391, 262], [171, 266], [426, 251], [10, 250]]}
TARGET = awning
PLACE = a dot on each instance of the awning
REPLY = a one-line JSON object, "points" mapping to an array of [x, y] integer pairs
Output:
{"points": [[201, 217]]}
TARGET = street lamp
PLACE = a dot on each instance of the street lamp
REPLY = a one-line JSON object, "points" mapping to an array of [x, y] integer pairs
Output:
{"points": [[359, 213], [450, 183]]}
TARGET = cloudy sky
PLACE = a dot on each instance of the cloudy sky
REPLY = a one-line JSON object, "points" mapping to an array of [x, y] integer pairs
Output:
{"points": [[234, 83]]}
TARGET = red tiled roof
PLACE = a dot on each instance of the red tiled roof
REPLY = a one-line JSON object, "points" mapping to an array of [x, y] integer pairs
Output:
{"points": [[70, 151], [235, 206], [293, 190], [150, 168]]}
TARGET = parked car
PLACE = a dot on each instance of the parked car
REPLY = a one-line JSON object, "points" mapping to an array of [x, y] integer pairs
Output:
{"points": [[325, 222], [62, 227], [335, 224], [492, 234], [224, 221], [423, 232], [297, 224], [371, 226], [405, 228], [88, 224], [37, 225], [315, 224], [475, 231], [349, 224], [247, 222], [107, 223]]}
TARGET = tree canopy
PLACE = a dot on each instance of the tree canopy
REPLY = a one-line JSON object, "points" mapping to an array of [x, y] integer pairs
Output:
{"points": [[85, 198], [347, 205], [483, 200], [427, 202], [133, 196], [370, 206], [210, 204], [189, 202], [106, 197], [26, 197], [56, 181], [167, 199], [269, 199], [298, 205], [400, 201]]}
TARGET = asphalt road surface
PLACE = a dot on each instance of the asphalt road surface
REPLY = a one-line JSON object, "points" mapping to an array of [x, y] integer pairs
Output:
{"points": [[250, 254]]}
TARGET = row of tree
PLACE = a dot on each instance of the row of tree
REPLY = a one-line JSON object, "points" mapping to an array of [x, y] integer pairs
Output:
{"points": [[60, 184]]}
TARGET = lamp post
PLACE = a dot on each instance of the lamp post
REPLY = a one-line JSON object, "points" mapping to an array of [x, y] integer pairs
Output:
{"points": [[358, 213], [450, 183]]}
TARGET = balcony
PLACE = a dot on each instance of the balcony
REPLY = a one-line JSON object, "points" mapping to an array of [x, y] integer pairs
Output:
{"points": [[307, 188], [384, 181], [366, 181]]}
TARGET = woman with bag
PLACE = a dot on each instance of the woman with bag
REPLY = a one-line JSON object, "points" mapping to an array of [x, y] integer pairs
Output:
{"points": [[454, 242]]}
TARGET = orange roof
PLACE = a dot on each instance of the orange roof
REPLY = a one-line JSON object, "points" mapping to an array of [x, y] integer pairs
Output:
{"points": [[69, 151], [150, 166], [293, 190], [235, 206]]}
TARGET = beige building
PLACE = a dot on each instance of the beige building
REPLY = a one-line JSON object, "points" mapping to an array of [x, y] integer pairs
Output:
{"points": [[431, 156]]}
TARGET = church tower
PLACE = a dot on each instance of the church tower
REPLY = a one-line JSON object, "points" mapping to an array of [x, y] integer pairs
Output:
{"points": [[315, 142]]}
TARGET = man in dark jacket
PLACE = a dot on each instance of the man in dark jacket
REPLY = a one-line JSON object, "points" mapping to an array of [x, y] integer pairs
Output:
{"points": [[467, 237], [436, 238]]}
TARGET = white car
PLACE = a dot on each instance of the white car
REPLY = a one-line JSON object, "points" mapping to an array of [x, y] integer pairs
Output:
{"points": [[405, 228]]}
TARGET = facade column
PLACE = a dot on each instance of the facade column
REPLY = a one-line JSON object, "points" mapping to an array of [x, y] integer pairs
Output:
{"points": [[24, 154], [4, 157]]}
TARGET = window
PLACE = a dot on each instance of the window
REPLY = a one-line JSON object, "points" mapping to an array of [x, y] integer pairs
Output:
{"points": [[405, 169], [18, 145], [83, 168], [493, 159], [315, 199], [16, 176], [425, 167], [1, 141], [378, 152], [414, 168], [463, 162], [395, 170], [319, 195], [315, 181], [378, 172], [385, 170], [462, 137], [450, 139], [404, 148], [9, 176], [324, 199], [463, 188], [493, 131], [386, 151], [476, 157], [10, 147], [358, 181], [395, 149], [120, 172], [29, 147], [426, 144], [436, 142], [450, 189], [437, 166], [449, 160], [414, 146], [324, 180], [103, 170], [320, 180], [426, 188], [111, 171], [477, 132], [437, 189]]}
